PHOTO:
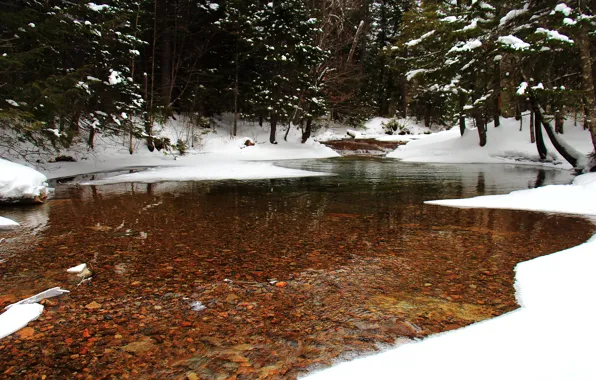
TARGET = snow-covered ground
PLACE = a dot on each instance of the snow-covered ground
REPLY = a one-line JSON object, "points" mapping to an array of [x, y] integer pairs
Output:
{"points": [[212, 150], [506, 144], [6, 223], [19, 182]]}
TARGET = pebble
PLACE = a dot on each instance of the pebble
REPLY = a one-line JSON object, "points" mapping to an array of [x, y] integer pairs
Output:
{"points": [[93, 305]]}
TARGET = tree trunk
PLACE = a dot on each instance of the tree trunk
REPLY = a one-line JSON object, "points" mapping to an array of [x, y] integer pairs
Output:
{"points": [[131, 135], [532, 134], [587, 81], [507, 80], [559, 120], [148, 120], [235, 128], [307, 131], [287, 131], [497, 118], [539, 139], [90, 141], [462, 116], [481, 127], [272, 138]]}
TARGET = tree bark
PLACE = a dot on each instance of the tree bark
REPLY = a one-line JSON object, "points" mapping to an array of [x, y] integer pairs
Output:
{"points": [[90, 141], [481, 127], [496, 116], [559, 120], [462, 116], [542, 152], [507, 79], [307, 131], [532, 134], [236, 69], [272, 138], [568, 152]]}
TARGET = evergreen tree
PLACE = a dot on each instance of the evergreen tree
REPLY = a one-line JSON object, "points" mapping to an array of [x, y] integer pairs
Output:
{"points": [[66, 65]]}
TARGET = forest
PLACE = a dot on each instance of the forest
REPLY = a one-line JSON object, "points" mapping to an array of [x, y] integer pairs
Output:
{"points": [[75, 68]]}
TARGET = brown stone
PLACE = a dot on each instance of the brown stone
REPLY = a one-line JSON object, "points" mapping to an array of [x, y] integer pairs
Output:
{"points": [[139, 347], [26, 332], [7, 298], [93, 305]]}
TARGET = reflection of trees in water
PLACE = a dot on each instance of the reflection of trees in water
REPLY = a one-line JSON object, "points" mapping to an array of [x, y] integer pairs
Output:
{"points": [[257, 220]]}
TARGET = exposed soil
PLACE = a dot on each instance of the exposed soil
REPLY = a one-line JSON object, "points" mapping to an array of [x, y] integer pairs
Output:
{"points": [[362, 147]]}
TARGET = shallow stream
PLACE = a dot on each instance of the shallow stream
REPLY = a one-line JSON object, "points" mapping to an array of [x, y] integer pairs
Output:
{"points": [[266, 278]]}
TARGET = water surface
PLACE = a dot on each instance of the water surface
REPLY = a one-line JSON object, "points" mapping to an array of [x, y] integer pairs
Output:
{"points": [[292, 273]]}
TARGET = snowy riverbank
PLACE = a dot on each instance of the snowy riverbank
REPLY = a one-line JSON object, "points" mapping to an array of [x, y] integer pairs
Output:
{"points": [[506, 144], [21, 183]]}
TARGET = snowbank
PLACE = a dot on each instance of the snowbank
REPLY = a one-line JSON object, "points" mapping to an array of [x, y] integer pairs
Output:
{"points": [[577, 198], [21, 183], [19, 314], [18, 317], [374, 129], [506, 144], [550, 337], [6, 223], [211, 170]]}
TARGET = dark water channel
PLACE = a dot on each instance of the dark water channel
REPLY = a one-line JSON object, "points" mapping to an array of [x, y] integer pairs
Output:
{"points": [[292, 273]]}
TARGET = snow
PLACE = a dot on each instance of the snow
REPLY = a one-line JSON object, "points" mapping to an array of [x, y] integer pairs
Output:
{"points": [[467, 46], [506, 144], [19, 314], [449, 19], [12, 102], [419, 40], [576, 198], [53, 292], [18, 317], [6, 223], [549, 337], [97, 8], [511, 15], [19, 182], [563, 8], [412, 73], [554, 35], [78, 269], [521, 90], [214, 171], [514, 42], [115, 78]]}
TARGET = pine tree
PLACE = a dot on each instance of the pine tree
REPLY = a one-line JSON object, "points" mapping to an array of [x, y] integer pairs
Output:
{"points": [[285, 83], [67, 66]]}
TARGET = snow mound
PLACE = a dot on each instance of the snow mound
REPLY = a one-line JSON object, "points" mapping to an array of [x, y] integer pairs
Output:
{"points": [[215, 170], [506, 144], [577, 198], [6, 223], [18, 317], [21, 183]]}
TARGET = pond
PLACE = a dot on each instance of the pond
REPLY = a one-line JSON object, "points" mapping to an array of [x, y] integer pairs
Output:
{"points": [[266, 278]]}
